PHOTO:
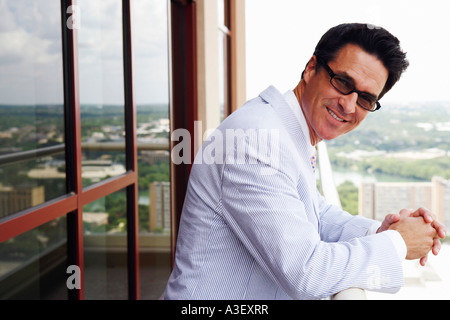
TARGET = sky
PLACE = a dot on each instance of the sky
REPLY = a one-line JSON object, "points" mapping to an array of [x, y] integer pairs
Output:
{"points": [[31, 57], [281, 36], [280, 39], [30, 52]]}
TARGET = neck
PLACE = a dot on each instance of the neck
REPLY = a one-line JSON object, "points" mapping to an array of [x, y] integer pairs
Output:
{"points": [[298, 91]]}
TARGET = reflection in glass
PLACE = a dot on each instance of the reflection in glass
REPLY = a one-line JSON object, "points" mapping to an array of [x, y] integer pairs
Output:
{"points": [[105, 248], [101, 89], [223, 87], [151, 71], [32, 161], [33, 264], [221, 12], [223, 37]]}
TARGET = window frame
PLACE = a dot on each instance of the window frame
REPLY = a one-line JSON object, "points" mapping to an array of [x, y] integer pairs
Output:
{"points": [[183, 112], [71, 204]]}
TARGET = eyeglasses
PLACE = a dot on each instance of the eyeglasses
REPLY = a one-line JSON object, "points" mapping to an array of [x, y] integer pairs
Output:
{"points": [[345, 86]]}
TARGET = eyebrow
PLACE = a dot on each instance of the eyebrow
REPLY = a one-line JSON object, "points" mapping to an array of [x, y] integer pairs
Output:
{"points": [[347, 77]]}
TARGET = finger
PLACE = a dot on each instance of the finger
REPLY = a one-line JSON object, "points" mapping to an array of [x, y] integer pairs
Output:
{"points": [[427, 215], [440, 228], [394, 217], [423, 260], [405, 213], [391, 218], [388, 220], [436, 246], [433, 232]]}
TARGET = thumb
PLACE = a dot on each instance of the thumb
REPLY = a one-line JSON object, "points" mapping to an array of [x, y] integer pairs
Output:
{"points": [[393, 217], [388, 220]]}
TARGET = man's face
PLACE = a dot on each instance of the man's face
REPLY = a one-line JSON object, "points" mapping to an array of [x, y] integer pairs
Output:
{"points": [[330, 114]]}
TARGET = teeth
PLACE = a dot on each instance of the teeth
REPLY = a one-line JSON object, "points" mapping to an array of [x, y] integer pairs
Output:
{"points": [[335, 116]]}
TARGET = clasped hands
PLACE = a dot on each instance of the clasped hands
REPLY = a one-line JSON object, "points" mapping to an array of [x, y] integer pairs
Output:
{"points": [[420, 231]]}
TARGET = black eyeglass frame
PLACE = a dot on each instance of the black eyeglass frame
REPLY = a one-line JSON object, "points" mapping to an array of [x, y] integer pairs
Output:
{"points": [[333, 75]]}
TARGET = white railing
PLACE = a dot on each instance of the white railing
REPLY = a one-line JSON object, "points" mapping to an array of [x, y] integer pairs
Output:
{"points": [[350, 294], [330, 193], [329, 189]]}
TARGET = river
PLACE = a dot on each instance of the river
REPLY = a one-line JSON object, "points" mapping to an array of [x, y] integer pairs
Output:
{"points": [[341, 175]]}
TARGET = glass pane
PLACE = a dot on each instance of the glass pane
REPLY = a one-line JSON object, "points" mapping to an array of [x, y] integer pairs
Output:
{"points": [[101, 89], [223, 75], [33, 264], [221, 12], [151, 70], [32, 160], [105, 248]]}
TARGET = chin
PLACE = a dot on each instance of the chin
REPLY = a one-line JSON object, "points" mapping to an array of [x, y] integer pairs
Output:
{"points": [[330, 136]]}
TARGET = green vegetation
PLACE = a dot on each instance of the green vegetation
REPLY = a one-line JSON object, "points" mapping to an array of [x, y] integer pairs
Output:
{"points": [[391, 130], [348, 194], [421, 128], [151, 173], [400, 128], [416, 169], [31, 127]]}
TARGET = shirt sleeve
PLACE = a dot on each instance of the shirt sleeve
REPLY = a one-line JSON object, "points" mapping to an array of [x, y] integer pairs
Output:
{"points": [[395, 237], [374, 228], [398, 242], [266, 213], [343, 226], [339, 225]]}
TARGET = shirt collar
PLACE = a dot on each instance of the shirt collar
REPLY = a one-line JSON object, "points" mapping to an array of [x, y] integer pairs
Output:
{"points": [[292, 101]]}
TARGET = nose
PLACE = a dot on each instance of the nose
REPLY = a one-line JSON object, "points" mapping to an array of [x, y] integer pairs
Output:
{"points": [[348, 102]]}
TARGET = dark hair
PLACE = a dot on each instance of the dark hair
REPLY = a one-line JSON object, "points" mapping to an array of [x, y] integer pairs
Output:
{"points": [[372, 39]]}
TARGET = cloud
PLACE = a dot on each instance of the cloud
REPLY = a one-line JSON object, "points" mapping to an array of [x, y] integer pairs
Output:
{"points": [[7, 21], [151, 57], [31, 64]]}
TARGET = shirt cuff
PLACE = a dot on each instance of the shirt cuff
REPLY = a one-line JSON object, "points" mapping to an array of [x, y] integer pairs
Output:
{"points": [[373, 228], [398, 242], [395, 237]]}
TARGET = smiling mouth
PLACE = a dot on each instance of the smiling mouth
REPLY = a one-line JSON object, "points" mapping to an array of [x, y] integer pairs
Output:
{"points": [[334, 115]]}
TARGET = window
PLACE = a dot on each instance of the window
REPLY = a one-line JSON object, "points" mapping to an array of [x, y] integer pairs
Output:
{"points": [[32, 153], [224, 35], [151, 83], [101, 90], [89, 93], [69, 192], [104, 232], [33, 264], [32, 157]]}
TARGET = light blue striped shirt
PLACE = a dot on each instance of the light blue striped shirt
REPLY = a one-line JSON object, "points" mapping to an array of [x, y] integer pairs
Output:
{"points": [[254, 225], [292, 101]]}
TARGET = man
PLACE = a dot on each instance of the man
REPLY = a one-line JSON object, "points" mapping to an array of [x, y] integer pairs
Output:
{"points": [[254, 225]]}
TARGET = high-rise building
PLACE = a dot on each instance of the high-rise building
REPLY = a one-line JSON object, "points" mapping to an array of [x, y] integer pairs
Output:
{"points": [[378, 199], [441, 199], [19, 198], [160, 207]]}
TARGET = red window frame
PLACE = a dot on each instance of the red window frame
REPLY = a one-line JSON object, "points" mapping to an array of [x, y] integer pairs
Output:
{"points": [[183, 113]]}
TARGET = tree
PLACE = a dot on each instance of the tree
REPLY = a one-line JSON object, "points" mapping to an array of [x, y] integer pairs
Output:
{"points": [[348, 193]]}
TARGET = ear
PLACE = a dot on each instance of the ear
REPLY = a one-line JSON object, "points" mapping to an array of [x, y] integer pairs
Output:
{"points": [[310, 69]]}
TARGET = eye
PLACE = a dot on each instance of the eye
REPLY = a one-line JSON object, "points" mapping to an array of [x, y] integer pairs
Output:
{"points": [[343, 84], [367, 99]]}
